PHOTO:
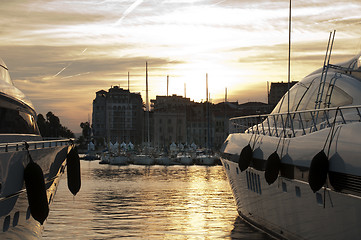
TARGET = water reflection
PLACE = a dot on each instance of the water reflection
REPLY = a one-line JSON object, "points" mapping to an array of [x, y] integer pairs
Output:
{"points": [[244, 231], [156, 202]]}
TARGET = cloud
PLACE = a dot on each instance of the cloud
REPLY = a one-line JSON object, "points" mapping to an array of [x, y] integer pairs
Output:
{"points": [[238, 42]]}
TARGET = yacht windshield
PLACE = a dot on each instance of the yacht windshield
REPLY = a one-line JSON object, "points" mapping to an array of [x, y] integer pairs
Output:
{"points": [[16, 121], [303, 95]]}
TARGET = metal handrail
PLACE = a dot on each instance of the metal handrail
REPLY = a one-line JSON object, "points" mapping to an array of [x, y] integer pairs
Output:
{"points": [[295, 123], [20, 146]]}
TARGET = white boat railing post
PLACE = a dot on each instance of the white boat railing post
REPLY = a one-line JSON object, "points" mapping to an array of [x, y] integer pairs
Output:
{"points": [[307, 123], [358, 113], [269, 128]]}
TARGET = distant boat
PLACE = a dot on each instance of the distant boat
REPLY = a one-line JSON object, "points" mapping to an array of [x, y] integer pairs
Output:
{"points": [[104, 158], [184, 159], [205, 158], [26, 157], [143, 159], [119, 159], [165, 160]]}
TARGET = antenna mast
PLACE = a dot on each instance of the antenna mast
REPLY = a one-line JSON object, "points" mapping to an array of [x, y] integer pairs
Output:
{"points": [[207, 87], [167, 84], [185, 91], [289, 59]]}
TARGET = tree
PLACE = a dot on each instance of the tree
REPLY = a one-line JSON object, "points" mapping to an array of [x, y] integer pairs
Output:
{"points": [[86, 129], [42, 125], [51, 127]]}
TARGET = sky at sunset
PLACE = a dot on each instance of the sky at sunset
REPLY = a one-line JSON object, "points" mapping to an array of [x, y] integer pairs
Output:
{"points": [[61, 52]]}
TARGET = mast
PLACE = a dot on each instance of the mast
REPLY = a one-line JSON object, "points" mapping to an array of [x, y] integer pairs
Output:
{"points": [[289, 59], [147, 100], [185, 91], [128, 82], [206, 87], [207, 109], [268, 91], [167, 84]]}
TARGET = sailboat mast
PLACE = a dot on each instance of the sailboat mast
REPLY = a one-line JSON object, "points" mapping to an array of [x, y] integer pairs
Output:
{"points": [[167, 84], [147, 100], [206, 87], [185, 90], [207, 109]]}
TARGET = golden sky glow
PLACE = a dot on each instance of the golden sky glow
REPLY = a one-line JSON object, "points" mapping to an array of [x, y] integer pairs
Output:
{"points": [[61, 52]]}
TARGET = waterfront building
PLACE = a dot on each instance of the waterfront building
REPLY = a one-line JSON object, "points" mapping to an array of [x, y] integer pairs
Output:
{"points": [[180, 120], [118, 116], [198, 125], [169, 119], [278, 89]]}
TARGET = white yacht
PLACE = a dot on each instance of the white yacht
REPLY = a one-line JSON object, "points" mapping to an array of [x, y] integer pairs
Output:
{"points": [[296, 173], [29, 165]]}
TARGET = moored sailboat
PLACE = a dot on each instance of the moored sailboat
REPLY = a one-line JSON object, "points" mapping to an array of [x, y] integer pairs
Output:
{"points": [[145, 158]]}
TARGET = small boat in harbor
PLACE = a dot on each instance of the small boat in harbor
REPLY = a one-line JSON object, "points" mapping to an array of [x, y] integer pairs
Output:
{"points": [[295, 173], [143, 159], [119, 159], [30, 165], [183, 158], [206, 160], [165, 160]]}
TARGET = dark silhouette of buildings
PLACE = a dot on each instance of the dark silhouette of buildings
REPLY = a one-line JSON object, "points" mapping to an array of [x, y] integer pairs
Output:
{"points": [[119, 115], [278, 89]]}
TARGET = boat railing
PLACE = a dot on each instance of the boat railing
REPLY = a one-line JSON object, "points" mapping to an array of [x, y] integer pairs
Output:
{"points": [[20, 146], [296, 123]]}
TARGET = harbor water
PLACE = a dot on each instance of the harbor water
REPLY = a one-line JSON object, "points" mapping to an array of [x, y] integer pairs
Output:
{"points": [[139, 202]]}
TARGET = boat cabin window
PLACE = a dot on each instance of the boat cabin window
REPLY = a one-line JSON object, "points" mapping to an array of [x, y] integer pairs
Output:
{"points": [[303, 96], [15, 121], [296, 95]]}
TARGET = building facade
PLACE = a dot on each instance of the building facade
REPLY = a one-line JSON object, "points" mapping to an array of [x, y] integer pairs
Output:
{"points": [[278, 89], [169, 120], [118, 116]]}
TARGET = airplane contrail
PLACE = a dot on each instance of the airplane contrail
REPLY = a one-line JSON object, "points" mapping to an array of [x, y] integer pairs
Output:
{"points": [[76, 75], [62, 70], [129, 10]]}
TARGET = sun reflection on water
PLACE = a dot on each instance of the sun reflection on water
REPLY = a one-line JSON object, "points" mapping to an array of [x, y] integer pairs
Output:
{"points": [[140, 202]]}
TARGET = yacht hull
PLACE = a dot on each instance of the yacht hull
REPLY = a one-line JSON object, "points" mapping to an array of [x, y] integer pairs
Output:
{"points": [[16, 221], [288, 208]]}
